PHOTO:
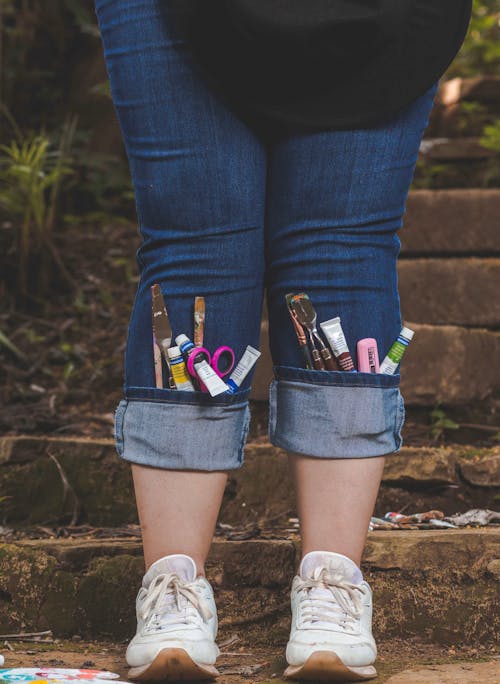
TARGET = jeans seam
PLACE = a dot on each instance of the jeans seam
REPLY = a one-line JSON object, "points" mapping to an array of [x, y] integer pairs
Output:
{"points": [[399, 422], [119, 433], [244, 433]]}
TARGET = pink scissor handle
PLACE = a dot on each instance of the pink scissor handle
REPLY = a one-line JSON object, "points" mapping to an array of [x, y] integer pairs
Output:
{"points": [[198, 354], [228, 358]]}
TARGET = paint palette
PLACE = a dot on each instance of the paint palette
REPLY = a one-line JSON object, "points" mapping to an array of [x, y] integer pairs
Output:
{"points": [[46, 675]]}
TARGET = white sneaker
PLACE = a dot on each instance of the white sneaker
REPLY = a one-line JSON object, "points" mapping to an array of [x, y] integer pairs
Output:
{"points": [[176, 624], [331, 635]]}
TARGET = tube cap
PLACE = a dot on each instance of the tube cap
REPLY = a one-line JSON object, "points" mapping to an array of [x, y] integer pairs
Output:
{"points": [[173, 352], [405, 332], [181, 339]]}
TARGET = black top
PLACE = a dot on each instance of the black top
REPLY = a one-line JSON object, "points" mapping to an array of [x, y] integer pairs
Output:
{"points": [[322, 64]]}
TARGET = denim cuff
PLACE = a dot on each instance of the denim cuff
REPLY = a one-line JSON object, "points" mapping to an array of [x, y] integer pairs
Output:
{"points": [[335, 414], [179, 430]]}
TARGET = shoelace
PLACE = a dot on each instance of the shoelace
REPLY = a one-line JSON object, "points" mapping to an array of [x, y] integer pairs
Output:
{"points": [[344, 605], [164, 601]]}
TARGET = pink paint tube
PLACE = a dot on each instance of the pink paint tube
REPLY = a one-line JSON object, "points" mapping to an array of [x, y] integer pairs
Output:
{"points": [[368, 355]]}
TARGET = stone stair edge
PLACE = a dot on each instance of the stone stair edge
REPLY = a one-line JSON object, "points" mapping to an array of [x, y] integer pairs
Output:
{"points": [[405, 550], [428, 584], [8, 442]]}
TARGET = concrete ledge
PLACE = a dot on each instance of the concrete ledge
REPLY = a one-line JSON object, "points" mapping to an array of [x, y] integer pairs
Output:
{"points": [[451, 222], [259, 491], [451, 479], [454, 149], [451, 291], [428, 584], [450, 365]]}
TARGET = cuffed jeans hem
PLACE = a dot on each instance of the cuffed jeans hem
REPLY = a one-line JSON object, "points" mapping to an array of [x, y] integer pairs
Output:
{"points": [[178, 430], [335, 414]]}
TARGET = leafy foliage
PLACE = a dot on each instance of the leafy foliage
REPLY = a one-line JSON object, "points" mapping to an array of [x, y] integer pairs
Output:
{"points": [[480, 53], [491, 136], [31, 176]]}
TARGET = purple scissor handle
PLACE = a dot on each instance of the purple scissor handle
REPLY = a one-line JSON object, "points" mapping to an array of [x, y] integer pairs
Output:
{"points": [[222, 361]]}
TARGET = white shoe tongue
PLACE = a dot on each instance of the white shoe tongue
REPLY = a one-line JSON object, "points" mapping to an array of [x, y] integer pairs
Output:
{"points": [[183, 566], [335, 561]]}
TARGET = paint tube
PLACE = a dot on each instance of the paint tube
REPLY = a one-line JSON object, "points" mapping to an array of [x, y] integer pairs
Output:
{"points": [[368, 355], [210, 379], [187, 348], [395, 353], [335, 336], [185, 344], [179, 370], [245, 365]]}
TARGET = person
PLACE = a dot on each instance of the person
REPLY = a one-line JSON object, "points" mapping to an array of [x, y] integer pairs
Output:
{"points": [[271, 151]]}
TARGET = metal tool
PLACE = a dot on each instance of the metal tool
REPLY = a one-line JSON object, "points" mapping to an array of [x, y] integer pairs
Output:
{"points": [[161, 327], [306, 315], [299, 331]]}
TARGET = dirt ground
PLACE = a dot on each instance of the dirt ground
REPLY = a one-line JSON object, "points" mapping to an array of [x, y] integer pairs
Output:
{"points": [[399, 661]]}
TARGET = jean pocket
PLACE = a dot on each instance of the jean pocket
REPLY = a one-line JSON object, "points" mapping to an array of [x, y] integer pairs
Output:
{"points": [[334, 413]]}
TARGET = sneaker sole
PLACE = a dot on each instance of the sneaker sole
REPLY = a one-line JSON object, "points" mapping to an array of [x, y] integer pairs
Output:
{"points": [[327, 666], [173, 664]]}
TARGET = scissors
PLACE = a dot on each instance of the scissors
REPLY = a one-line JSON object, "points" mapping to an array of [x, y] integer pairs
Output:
{"points": [[222, 361]]}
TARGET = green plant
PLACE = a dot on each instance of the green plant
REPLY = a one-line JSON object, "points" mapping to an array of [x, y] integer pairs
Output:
{"points": [[480, 53], [31, 177], [491, 136], [440, 423], [5, 342]]}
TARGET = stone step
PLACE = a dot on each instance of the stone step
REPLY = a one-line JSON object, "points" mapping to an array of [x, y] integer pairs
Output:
{"points": [[451, 479], [453, 150], [440, 586], [444, 364], [451, 222], [451, 291]]}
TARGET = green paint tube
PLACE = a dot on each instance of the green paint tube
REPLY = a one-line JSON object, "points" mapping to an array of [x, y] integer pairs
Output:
{"points": [[395, 353]]}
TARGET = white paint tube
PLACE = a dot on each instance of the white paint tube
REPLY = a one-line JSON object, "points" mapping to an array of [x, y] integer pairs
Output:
{"points": [[245, 365], [336, 339], [210, 379]]}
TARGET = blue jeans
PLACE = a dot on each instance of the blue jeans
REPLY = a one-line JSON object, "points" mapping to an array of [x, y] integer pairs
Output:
{"points": [[229, 213]]}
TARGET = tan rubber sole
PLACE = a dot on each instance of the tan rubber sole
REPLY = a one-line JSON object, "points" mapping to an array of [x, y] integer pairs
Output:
{"points": [[326, 666], [173, 664]]}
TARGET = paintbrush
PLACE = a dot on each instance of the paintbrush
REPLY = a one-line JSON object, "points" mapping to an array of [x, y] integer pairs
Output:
{"points": [[161, 327], [306, 315], [299, 331], [199, 321]]}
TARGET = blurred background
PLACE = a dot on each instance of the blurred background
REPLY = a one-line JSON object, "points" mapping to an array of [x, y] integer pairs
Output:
{"points": [[68, 235], [70, 546]]}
